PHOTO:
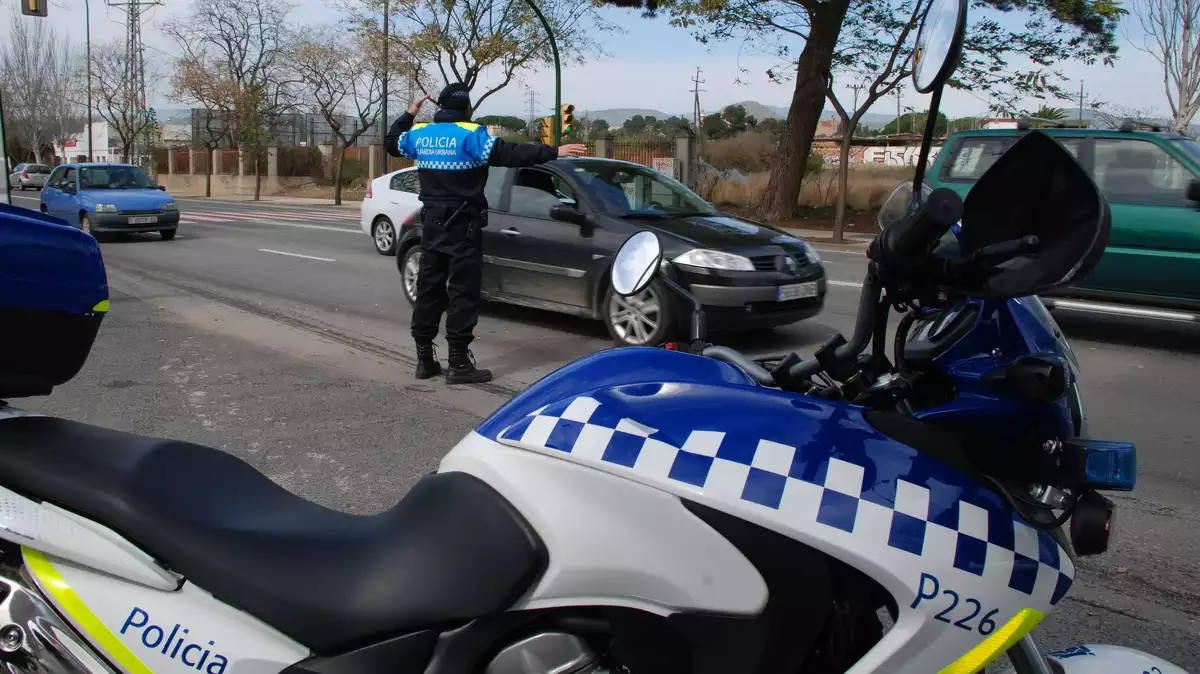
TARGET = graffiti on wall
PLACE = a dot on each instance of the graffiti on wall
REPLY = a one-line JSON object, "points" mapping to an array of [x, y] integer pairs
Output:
{"points": [[886, 155]]}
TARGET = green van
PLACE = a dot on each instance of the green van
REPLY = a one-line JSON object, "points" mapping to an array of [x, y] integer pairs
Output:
{"points": [[1152, 264]]}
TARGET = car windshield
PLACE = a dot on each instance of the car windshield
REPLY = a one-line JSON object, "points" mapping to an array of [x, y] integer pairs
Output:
{"points": [[114, 178], [1191, 147], [631, 191], [37, 168]]}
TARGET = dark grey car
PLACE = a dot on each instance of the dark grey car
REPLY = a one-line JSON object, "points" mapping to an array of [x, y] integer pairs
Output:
{"points": [[28, 176]]}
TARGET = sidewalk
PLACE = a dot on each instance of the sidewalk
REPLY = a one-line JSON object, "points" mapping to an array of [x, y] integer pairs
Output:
{"points": [[852, 242]]}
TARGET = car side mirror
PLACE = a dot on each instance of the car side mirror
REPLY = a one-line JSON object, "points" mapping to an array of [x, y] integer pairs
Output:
{"points": [[161, 187], [566, 213], [1193, 191]]}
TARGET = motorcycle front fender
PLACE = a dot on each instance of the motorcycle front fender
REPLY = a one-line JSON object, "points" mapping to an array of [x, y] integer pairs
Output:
{"points": [[1102, 659]]}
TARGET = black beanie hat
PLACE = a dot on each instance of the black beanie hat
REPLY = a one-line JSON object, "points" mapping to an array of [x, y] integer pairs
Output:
{"points": [[456, 96]]}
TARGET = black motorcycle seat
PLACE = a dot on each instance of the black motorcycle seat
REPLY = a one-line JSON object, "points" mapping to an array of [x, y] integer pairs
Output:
{"points": [[453, 549]]}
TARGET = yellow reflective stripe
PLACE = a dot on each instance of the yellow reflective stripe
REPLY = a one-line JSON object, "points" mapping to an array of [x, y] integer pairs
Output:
{"points": [[997, 643], [470, 126], [417, 126], [101, 306], [52, 582]]}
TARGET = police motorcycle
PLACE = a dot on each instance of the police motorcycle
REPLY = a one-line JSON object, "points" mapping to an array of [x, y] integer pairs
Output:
{"points": [[640, 510]]}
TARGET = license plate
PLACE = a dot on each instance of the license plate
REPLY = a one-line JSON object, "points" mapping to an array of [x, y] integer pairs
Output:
{"points": [[796, 291], [143, 220]]}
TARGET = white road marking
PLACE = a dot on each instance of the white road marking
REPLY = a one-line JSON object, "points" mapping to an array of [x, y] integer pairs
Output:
{"points": [[848, 284], [306, 257], [324, 228]]}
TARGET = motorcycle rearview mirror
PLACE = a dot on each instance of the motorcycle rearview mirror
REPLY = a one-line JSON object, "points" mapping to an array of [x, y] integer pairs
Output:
{"points": [[938, 48], [636, 263]]}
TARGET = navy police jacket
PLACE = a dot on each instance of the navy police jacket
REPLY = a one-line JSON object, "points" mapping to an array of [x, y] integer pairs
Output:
{"points": [[453, 156]]}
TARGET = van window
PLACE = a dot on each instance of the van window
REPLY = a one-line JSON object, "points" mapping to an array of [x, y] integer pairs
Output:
{"points": [[973, 156], [1139, 172]]}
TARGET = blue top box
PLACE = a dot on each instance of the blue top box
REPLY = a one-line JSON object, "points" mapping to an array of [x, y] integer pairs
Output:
{"points": [[47, 265]]}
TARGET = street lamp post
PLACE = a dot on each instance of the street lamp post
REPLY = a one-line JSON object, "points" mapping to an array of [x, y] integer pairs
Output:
{"points": [[87, 32], [384, 121], [557, 72]]}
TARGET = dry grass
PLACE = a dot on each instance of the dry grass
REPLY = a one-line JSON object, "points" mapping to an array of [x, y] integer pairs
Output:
{"points": [[754, 155], [867, 187]]}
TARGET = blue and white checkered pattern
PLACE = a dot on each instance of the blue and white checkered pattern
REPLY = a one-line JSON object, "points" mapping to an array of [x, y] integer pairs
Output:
{"points": [[485, 153], [449, 165], [830, 490]]}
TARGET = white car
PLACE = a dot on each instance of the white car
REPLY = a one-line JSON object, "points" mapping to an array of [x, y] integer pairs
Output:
{"points": [[390, 200]]}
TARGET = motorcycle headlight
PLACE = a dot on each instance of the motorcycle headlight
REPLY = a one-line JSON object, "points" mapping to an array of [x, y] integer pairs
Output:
{"points": [[106, 208], [715, 259]]}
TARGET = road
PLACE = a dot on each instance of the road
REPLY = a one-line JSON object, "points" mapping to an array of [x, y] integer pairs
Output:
{"points": [[277, 333]]}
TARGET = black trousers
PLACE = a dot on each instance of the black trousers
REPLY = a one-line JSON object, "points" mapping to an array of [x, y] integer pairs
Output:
{"points": [[451, 273]]}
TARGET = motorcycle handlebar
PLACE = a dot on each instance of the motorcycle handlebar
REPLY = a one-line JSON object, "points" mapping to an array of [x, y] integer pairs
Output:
{"points": [[864, 327], [756, 371]]}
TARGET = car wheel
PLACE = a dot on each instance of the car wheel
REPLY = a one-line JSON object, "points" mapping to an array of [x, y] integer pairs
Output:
{"points": [[410, 267], [167, 234], [645, 319], [384, 233], [42, 208]]}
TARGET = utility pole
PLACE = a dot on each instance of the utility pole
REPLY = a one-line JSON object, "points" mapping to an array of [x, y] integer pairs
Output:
{"points": [[898, 109], [87, 35], [1081, 95], [696, 82], [532, 106], [857, 88], [135, 66]]}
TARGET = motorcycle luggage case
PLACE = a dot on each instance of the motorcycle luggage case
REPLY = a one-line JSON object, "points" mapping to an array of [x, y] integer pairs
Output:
{"points": [[53, 295]]}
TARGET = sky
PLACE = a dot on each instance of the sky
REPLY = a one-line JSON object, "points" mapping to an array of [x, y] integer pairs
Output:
{"points": [[650, 65]]}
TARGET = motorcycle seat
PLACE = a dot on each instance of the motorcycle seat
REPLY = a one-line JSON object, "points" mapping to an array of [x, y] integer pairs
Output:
{"points": [[453, 549]]}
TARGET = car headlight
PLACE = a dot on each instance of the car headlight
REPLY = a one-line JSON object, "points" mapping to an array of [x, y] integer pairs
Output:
{"points": [[170, 206], [715, 259], [811, 254], [106, 208]]}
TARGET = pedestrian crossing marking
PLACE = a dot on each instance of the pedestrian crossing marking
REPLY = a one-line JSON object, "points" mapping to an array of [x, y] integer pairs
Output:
{"points": [[242, 216]]}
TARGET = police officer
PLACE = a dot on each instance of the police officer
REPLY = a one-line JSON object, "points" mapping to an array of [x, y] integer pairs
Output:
{"points": [[453, 156]]}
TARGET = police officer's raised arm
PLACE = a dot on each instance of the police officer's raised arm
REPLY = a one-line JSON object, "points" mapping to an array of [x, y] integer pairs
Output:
{"points": [[394, 142], [494, 151]]}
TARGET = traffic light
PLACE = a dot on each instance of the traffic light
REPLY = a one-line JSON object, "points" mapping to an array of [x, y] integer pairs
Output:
{"points": [[34, 7], [568, 118], [546, 130]]}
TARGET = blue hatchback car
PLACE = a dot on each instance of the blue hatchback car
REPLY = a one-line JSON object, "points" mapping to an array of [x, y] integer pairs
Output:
{"points": [[110, 198]]}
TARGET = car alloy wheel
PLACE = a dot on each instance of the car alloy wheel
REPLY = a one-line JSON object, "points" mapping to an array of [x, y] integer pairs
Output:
{"points": [[636, 320], [409, 272], [385, 236]]}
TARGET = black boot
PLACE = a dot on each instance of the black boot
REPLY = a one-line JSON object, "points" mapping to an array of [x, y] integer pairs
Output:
{"points": [[463, 370], [427, 363]]}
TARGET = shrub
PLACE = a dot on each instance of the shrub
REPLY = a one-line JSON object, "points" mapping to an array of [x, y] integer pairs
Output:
{"points": [[353, 170], [867, 186]]}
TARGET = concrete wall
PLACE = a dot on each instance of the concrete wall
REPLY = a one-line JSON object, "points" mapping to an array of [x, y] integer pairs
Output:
{"points": [[182, 185]]}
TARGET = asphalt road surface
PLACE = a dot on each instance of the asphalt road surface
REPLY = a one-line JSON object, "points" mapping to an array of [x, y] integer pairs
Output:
{"points": [[278, 334]]}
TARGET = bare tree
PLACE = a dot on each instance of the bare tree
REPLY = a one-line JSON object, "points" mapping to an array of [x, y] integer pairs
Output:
{"points": [[234, 55], [1172, 37], [216, 95], [877, 48], [110, 91], [27, 76], [462, 38], [342, 77], [67, 108], [1113, 115]]}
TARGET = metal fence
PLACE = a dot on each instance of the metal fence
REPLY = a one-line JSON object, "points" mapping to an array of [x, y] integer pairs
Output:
{"points": [[641, 151]]}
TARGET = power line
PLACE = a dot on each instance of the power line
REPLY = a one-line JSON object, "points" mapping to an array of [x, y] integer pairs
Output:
{"points": [[134, 77]]}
